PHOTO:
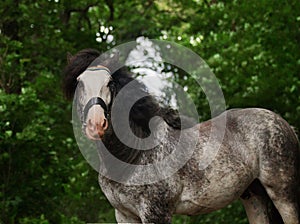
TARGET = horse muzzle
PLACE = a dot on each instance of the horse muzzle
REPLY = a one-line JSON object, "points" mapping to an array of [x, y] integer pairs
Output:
{"points": [[95, 117], [95, 128]]}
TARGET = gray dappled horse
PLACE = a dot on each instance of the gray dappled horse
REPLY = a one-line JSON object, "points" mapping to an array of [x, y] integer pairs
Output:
{"points": [[258, 159]]}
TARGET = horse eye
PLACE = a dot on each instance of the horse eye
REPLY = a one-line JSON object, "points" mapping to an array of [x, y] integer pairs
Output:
{"points": [[80, 84], [111, 85]]}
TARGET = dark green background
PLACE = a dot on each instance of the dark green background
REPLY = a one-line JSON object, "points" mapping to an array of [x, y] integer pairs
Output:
{"points": [[252, 46]]}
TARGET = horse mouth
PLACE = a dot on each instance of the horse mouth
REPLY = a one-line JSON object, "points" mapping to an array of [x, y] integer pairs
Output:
{"points": [[95, 127], [95, 131], [95, 136]]}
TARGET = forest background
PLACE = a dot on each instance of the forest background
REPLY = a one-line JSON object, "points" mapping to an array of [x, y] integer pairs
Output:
{"points": [[253, 47]]}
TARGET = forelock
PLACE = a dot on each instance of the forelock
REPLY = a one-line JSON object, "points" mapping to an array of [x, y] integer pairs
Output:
{"points": [[77, 64]]}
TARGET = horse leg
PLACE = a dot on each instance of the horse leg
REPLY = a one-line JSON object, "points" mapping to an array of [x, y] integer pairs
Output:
{"points": [[285, 201], [259, 206], [157, 218], [256, 210], [282, 188], [145, 218], [279, 164], [123, 218], [255, 202], [280, 179]]}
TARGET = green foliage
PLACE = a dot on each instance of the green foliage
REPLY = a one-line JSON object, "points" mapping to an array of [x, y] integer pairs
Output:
{"points": [[252, 48]]}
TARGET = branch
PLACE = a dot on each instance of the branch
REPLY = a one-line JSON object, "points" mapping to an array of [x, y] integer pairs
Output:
{"points": [[110, 5], [66, 15]]}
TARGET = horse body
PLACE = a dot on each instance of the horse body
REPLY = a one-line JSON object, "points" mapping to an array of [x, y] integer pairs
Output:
{"points": [[254, 147], [257, 157]]}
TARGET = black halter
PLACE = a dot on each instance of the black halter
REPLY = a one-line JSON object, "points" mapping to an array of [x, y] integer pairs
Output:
{"points": [[96, 100]]}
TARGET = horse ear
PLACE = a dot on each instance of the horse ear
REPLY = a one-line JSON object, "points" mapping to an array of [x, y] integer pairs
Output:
{"points": [[69, 57]]}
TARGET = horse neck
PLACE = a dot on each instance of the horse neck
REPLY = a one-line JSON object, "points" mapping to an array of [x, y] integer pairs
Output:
{"points": [[140, 156], [126, 171]]}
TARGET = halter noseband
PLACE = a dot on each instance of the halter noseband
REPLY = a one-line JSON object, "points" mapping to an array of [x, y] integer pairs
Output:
{"points": [[95, 100]]}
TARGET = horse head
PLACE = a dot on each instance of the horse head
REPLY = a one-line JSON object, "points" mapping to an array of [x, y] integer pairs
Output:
{"points": [[93, 98], [94, 90]]}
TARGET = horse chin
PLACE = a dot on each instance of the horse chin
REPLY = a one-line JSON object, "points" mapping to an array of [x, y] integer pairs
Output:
{"points": [[95, 136]]}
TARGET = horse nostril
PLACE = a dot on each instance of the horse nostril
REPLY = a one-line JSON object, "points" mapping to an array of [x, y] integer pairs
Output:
{"points": [[96, 129], [104, 124], [98, 126]]}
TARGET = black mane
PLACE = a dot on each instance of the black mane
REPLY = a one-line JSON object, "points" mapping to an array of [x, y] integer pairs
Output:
{"points": [[142, 111], [77, 64]]}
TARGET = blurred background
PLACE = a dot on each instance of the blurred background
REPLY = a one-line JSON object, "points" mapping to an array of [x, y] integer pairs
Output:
{"points": [[253, 47]]}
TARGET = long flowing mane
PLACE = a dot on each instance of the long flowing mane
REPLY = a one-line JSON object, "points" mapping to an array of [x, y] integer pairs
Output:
{"points": [[141, 112]]}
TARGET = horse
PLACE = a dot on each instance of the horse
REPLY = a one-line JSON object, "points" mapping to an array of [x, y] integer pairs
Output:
{"points": [[257, 161]]}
